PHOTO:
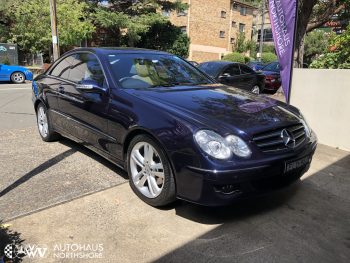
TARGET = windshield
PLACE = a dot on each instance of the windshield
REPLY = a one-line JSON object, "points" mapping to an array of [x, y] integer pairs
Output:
{"points": [[142, 71], [272, 67], [212, 69]]}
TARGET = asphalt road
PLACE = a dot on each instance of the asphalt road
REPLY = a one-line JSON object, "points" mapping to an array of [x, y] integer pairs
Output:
{"points": [[35, 174]]}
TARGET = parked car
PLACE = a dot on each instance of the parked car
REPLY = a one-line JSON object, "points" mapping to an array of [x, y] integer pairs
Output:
{"points": [[256, 65], [177, 132], [272, 76], [15, 74], [194, 63], [235, 74]]}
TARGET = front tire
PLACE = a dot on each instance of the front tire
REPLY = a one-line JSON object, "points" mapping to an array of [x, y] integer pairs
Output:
{"points": [[18, 77], [44, 126], [150, 174]]}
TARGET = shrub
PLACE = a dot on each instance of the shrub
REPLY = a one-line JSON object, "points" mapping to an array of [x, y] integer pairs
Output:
{"points": [[268, 57], [234, 57]]}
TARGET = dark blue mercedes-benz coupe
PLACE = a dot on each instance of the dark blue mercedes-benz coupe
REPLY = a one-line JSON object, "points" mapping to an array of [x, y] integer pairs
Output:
{"points": [[177, 132]]}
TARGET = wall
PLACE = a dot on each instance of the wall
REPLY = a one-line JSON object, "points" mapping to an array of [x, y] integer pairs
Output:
{"points": [[324, 98], [203, 24]]}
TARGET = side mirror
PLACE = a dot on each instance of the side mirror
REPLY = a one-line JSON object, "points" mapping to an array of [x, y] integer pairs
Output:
{"points": [[224, 76], [90, 86]]}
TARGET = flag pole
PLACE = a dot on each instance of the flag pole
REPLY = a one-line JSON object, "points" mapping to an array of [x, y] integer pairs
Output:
{"points": [[293, 50]]}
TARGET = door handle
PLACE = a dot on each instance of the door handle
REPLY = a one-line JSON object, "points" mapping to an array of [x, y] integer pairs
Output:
{"points": [[61, 89]]}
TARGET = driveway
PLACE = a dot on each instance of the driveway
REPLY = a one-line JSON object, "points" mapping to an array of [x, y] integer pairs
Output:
{"points": [[60, 193]]}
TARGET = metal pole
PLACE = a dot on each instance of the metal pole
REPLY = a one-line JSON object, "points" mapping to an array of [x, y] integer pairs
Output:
{"points": [[292, 58], [262, 29], [55, 46]]}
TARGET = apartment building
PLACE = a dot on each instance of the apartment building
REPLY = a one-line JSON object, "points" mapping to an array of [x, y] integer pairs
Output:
{"points": [[213, 26]]}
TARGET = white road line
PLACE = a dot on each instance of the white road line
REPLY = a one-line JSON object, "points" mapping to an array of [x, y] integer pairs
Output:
{"points": [[15, 89]]}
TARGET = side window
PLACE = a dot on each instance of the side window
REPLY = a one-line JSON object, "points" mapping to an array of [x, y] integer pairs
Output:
{"points": [[232, 70], [62, 69], [86, 67], [246, 70]]}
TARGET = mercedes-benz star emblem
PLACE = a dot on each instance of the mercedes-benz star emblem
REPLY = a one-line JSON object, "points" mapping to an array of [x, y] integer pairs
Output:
{"points": [[288, 139]]}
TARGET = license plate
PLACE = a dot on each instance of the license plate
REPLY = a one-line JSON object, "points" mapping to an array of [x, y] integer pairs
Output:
{"points": [[290, 166]]}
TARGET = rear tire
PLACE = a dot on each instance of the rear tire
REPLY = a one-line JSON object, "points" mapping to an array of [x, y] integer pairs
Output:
{"points": [[150, 174], [18, 77], [46, 132]]}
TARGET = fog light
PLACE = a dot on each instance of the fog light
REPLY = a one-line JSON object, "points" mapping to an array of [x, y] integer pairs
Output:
{"points": [[228, 189]]}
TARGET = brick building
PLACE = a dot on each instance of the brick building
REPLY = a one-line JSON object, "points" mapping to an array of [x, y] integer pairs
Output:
{"points": [[213, 26]]}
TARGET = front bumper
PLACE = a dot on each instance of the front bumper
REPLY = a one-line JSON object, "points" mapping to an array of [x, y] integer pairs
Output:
{"points": [[215, 188]]}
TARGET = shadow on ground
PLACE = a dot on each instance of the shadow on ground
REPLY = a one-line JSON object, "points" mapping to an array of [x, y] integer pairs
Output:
{"points": [[82, 149], [310, 222]]}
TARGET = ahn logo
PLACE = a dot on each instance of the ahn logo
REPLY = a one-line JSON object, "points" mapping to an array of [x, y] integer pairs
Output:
{"points": [[2, 48]]}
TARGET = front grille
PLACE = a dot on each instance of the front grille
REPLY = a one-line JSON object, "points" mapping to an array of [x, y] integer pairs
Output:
{"points": [[273, 141]]}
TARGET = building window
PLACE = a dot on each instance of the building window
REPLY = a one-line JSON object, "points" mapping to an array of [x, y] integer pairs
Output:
{"points": [[241, 28], [222, 34], [183, 29], [182, 13], [235, 6], [243, 11], [234, 24], [232, 41], [223, 14]]}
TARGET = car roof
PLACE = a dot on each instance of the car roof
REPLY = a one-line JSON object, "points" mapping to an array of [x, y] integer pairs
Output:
{"points": [[107, 50], [221, 63]]}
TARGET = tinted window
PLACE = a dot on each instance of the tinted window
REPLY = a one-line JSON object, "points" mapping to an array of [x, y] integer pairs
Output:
{"points": [[232, 70], [86, 67], [212, 69], [150, 70], [62, 68], [79, 67], [246, 70], [272, 67]]}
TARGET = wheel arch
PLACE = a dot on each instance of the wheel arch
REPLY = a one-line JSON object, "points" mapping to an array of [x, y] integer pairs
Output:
{"points": [[142, 131]]}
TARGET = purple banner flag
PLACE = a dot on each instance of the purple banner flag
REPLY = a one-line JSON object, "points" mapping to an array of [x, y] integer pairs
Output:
{"points": [[283, 15]]}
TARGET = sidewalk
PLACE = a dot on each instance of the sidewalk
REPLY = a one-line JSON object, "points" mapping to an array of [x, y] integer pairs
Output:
{"points": [[308, 223]]}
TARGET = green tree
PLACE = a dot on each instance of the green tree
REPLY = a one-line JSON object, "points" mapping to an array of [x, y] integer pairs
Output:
{"points": [[316, 43], [32, 31], [141, 24], [268, 57], [338, 54], [234, 57]]}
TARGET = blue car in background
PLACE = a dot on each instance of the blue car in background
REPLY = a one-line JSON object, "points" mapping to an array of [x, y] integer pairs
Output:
{"points": [[15, 74], [256, 65]]}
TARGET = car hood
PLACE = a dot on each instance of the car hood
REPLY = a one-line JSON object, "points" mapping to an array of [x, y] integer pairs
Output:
{"points": [[221, 108]]}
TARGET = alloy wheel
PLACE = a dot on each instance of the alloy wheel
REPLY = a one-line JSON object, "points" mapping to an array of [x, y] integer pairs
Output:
{"points": [[147, 170], [42, 122], [256, 90], [18, 77]]}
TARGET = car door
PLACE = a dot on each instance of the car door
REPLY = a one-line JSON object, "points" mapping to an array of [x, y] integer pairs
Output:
{"points": [[2, 75], [248, 77], [85, 111], [231, 76]]}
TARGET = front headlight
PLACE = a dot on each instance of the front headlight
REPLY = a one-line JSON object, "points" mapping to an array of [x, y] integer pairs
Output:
{"points": [[306, 125], [238, 146], [213, 144], [219, 147]]}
